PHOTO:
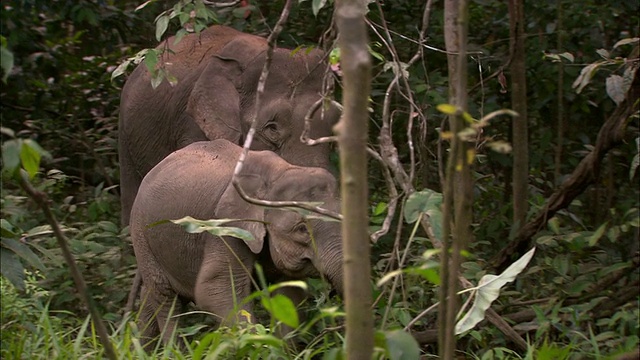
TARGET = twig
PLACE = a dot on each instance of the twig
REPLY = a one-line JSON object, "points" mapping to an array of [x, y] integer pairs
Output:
{"points": [[271, 40], [41, 199]]}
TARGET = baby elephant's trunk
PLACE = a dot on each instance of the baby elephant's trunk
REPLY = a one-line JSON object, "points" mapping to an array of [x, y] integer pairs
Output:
{"points": [[330, 265]]}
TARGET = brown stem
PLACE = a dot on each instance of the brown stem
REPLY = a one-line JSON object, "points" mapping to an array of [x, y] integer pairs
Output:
{"points": [[41, 199]]}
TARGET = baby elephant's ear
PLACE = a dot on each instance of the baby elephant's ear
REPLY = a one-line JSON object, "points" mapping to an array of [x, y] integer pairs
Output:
{"points": [[233, 206]]}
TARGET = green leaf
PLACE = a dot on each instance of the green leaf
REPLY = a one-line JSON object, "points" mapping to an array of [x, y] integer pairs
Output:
{"points": [[30, 159], [162, 22], [615, 88], [156, 79], [568, 56], [291, 283], [282, 308], [334, 56], [11, 268], [120, 69], [585, 77], [11, 155], [603, 53], [626, 41], [401, 346], [23, 251], [488, 290], [447, 109], [214, 227], [316, 5], [150, 60], [593, 239], [8, 230], [425, 201], [6, 61], [144, 4], [380, 208], [179, 35]]}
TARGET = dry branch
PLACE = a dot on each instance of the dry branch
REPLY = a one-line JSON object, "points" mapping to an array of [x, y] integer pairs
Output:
{"points": [[42, 200], [586, 173]]}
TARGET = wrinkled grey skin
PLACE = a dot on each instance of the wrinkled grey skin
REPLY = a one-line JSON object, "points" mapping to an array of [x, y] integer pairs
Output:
{"points": [[218, 72], [196, 181]]}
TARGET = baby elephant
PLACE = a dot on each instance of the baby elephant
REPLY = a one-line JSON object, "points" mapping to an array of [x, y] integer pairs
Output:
{"points": [[214, 272]]}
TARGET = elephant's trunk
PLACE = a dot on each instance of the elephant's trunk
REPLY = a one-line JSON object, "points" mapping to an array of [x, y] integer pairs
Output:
{"points": [[331, 266]]}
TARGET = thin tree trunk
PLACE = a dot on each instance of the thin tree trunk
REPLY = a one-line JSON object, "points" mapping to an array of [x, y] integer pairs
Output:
{"points": [[519, 104], [560, 98], [352, 131], [458, 183]]}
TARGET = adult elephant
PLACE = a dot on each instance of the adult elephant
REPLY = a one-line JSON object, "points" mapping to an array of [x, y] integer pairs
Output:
{"points": [[215, 272], [218, 72]]}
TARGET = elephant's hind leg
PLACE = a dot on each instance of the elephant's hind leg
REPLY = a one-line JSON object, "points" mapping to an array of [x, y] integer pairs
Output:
{"points": [[157, 315]]}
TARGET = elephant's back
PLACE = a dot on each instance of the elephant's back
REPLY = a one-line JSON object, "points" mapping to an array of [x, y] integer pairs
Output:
{"points": [[188, 182], [194, 48]]}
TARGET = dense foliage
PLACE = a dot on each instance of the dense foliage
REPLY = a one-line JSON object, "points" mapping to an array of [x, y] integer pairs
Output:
{"points": [[578, 297]]}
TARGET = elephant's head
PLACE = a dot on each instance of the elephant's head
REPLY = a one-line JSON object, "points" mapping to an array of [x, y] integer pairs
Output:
{"points": [[223, 100], [299, 247]]}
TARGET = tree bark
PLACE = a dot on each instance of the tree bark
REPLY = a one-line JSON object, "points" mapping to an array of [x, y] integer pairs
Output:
{"points": [[458, 195], [352, 132], [519, 104]]}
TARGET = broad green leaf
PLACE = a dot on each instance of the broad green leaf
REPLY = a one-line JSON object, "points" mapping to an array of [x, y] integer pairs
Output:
{"points": [[11, 268], [292, 283], [8, 230], [447, 109], [615, 88], [11, 155], [23, 251], [150, 60], [593, 239], [336, 353], [568, 56], [402, 346], [267, 340], [603, 53], [156, 80], [6, 62], [283, 309], [626, 41], [41, 230], [30, 159], [380, 208], [425, 201], [585, 77], [488, 290], [120, 69], [162, 22], [214, 227], [179, 35]]}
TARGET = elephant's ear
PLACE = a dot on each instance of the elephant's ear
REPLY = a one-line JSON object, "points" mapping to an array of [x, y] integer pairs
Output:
{"points": [[233, 206], [215, 100]]}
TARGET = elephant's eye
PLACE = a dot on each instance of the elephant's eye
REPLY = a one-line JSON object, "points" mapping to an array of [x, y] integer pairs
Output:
{"points": [[271, 132], [301, 228], [271, 129]]}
